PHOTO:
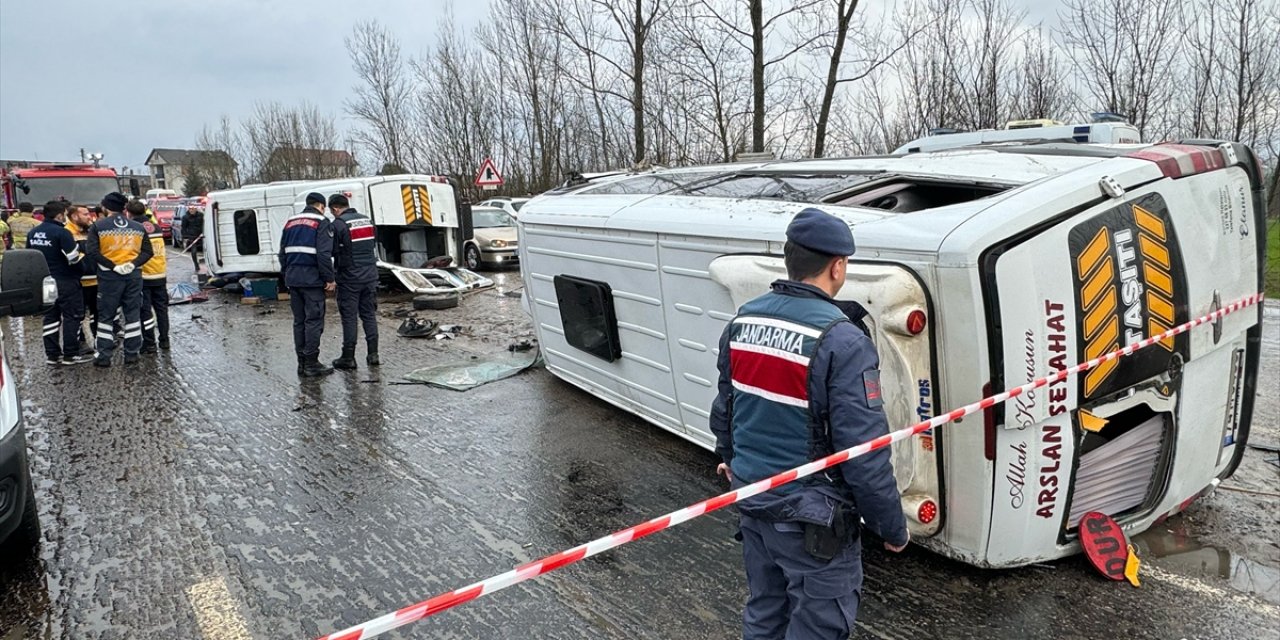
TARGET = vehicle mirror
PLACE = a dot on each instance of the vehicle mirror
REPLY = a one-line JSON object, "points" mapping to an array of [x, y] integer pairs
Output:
{"points": [[22, 283]]}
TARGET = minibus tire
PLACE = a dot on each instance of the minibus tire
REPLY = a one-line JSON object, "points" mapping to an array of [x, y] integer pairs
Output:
{"points": [[436, 301]]}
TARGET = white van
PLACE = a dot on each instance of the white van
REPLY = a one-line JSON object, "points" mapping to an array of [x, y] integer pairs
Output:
{"points": [[1025, 131], [25, 290], [418, 219], [982, 269]]}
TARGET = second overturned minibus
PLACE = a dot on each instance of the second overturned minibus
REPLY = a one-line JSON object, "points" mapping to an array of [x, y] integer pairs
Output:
{"points": [[982, 269]]}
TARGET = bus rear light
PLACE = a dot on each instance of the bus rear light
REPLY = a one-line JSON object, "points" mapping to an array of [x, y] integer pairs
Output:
{"points": [[927, 512], [924, 510], [915, 322]]}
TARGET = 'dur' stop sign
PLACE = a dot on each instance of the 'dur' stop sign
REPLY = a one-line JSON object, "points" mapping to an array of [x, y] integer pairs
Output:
{"points": [[1104, 544]]}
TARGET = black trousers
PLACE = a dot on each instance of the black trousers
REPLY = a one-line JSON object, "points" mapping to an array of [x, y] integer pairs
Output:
{"points": [[359, 301], [63, 318], [307, 304], [155, 312], [123, 293]]}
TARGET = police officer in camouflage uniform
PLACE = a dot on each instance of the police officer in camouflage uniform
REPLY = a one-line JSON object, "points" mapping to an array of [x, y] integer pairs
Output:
{"points": [[306, 256], [356, 264], [799, 380]]}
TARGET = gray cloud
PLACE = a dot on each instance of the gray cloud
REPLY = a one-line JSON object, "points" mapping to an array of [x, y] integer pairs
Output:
{"points": [[125, 76]]}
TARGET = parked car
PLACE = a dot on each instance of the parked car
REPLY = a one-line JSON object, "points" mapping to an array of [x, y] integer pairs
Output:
{"points": [[164, 209], [510, 205], [25, 290], [495, 234]]}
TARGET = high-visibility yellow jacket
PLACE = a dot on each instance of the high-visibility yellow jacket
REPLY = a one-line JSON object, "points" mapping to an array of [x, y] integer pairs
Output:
{"points": [[90, 279], [155, 270]]}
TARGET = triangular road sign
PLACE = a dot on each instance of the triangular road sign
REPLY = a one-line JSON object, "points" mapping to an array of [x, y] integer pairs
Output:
{"points": [[488, 175]]}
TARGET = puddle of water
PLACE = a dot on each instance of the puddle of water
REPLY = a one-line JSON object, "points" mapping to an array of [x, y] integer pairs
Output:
{"points": [[1176, 551]]}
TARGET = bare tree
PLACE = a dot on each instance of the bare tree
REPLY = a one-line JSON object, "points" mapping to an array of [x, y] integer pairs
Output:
{"points": [[1043, 88], [754, 37], [1124, 53], [223, 156], [599, 28], [294, 143], [382, 99]]}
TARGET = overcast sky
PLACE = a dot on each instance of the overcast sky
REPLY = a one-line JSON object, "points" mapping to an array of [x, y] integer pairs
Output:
{"points": [[120, 77]]}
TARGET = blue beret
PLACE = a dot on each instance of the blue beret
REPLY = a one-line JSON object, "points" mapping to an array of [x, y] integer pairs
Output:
{"points": [[315, 198], [821, 232]]}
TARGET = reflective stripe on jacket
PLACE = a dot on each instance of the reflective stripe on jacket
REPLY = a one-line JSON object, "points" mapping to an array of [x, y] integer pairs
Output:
{"points": [[115, 240], [306, 250], [355, 256], [156, 269]]}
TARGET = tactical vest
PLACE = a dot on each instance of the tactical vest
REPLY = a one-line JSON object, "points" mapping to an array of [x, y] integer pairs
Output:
{"points": [[299, 241], [156, 269], [772, 341], [360, 257]]}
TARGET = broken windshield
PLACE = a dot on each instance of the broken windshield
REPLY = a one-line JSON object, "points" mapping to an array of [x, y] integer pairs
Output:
{"points": [[790, 187], [651, 183]]}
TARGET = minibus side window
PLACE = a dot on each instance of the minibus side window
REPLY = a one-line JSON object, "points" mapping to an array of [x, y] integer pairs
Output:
{"points": [[245, 222]]}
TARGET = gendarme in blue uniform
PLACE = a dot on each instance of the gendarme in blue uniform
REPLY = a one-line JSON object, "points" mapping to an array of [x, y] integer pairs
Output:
{"points": [[306, 257], [355, 259], [799, 379]]}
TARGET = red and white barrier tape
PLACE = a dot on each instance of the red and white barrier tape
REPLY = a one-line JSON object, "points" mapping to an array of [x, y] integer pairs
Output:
{"points": [[550, 563]]}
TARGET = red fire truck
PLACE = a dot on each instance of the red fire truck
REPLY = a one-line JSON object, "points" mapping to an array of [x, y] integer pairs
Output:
{"points": [[41, 182]]}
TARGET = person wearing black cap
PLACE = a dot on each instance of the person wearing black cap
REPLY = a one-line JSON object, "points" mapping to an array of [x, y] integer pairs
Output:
{"points": [[356, 263], [119, 246], [306, 255], [799, 380], [63, 256]]}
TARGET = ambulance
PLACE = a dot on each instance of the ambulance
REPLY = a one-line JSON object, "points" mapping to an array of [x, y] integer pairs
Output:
{"points": [[982, 268], [419, 220]]}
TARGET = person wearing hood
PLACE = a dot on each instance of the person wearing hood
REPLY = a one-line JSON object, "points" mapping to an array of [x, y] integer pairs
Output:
{"points": [[306, 255], [119, 247], [800, 380]]}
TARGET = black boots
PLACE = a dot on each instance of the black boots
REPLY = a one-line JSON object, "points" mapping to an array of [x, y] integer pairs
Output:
{"points": [[372, 358], [311, 368], [348, 360]]}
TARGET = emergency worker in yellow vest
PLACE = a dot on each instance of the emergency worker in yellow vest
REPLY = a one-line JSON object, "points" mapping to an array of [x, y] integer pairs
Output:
{"points": [[79, 219], [119, 246], [155, 293], [21, 223]]}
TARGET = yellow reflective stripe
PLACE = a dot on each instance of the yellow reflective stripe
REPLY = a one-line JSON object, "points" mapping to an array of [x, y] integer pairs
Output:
{"points": [[1093, 252], [1149, 222]]}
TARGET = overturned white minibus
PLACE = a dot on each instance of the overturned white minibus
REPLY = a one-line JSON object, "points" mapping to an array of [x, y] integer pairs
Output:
{"points": [[982, 269], [418, 219]]}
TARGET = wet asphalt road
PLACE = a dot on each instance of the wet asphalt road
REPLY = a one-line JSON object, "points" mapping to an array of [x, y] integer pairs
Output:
{"points": [[207, 493]]}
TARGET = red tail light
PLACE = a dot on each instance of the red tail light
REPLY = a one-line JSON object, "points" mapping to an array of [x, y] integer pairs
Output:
{"points": [[927, 512]]}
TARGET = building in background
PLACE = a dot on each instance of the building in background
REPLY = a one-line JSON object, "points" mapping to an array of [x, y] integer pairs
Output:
{"points": [[170, 168]]}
